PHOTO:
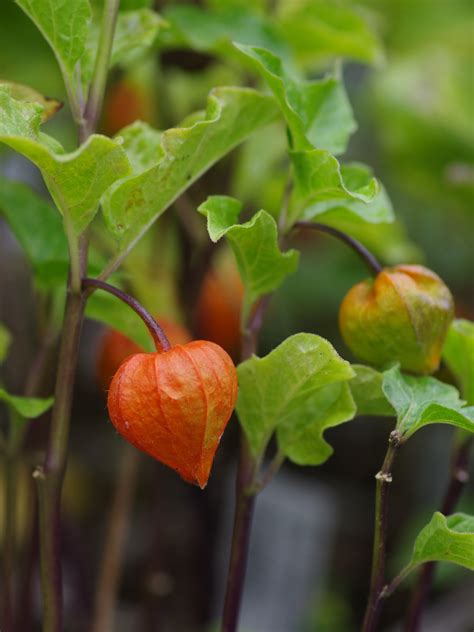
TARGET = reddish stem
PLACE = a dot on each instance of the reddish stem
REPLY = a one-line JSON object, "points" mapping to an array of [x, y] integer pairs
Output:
{"points": [[159, 337], [459, 478], [245, 504], [245, 493], [365, 254]]}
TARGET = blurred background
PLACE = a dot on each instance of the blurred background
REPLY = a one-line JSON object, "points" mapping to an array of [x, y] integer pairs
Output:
{"points": [[409, 75]]}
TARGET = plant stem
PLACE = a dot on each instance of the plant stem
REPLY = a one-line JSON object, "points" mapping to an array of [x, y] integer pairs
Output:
{"points": [[383, 481], [245, 504], [250, 335], [245, 493], [458, 479], [50, 476], [18, 429], [9, 529], [159, 337], [99, 78], [244, 509], [115, 535], [271, 470], [367, 257]]}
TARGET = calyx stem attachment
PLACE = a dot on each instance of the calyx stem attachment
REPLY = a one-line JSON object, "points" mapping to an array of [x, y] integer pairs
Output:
{"points": [[368, 258], [159, 337]]}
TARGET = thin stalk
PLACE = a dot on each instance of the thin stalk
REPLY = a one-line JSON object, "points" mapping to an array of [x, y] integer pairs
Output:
{"points": [[18, 431], [247, 470], [49, 477], [391, 587], [458, 479], [9, 530], [115, 535], [366, 256], [245, 504], [377, 580], [159, 337], [24, 614], [99, 78]]}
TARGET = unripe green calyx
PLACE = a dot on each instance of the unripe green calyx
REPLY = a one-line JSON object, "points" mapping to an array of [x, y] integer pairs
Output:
{"points": [[401, 316]]}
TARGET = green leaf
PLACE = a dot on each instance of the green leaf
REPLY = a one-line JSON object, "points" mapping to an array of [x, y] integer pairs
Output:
{"points": [[134, 203], [318, 113], [446, 539], [76, 180], [64, 25], [322, 29], [135, 33], [294, 388], [419, 401], [301, 438], [5, 340], [367, 391], [458, 353], [320, 178], [350, 210], [39, 230], [21, 92], [214, 31], [262, 266], [28, 407], [222, 214], [142, 144], [111, 311]]}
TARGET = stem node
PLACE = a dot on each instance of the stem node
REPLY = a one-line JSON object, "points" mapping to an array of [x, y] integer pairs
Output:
{"points": [[38, 474]]}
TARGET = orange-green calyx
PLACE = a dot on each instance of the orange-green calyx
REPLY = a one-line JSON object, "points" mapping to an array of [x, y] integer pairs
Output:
{"points": [[401, 316]]}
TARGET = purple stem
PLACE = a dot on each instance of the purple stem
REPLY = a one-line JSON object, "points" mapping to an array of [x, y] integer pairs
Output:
{"points": [[159, 337], [245, 493], [244, 509], [459, 478], [361, 250]]}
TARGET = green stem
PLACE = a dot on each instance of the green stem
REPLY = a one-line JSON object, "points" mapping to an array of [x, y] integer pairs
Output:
{"points": [[269, 473], [390, 588], [377, 581], [99, 78]]}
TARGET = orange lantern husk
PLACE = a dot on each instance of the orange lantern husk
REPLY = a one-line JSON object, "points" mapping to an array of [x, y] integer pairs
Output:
{"points": [[175, 405]]}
